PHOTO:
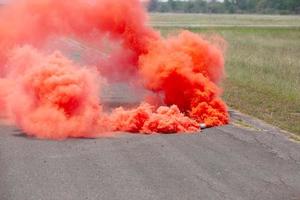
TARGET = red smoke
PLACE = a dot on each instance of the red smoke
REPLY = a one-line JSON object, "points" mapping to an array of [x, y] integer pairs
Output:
{"points": [[49, 96]]}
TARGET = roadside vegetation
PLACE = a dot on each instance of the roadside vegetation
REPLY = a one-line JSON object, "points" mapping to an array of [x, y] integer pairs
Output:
{"points": [[263, 62]]}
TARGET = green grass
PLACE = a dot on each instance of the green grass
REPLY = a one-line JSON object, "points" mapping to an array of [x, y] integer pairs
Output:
{"points": [[168, 19], [263, 63]]}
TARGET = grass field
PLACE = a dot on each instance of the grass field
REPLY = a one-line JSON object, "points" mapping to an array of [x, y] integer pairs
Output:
{"points": [[263, 61], [223, 20]]}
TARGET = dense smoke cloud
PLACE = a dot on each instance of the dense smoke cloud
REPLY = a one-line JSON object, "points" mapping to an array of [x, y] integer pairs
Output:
{"points": [[50, 94]]}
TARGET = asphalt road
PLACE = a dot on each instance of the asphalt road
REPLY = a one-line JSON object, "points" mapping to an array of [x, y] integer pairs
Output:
{"points": [[229, 162]]}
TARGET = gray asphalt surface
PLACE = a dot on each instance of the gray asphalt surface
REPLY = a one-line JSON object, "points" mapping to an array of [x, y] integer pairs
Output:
{"points": [[227, 162]]}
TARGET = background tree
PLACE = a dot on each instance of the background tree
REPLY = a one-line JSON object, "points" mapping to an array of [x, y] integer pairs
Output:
{"points": [[153, 5], [226, 6]]}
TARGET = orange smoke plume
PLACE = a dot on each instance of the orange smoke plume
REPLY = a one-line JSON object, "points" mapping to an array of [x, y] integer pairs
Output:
{"points": [[49, 93]]}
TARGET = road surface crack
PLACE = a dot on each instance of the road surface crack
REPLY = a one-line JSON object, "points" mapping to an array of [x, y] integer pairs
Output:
{"points": [[213, 188]]}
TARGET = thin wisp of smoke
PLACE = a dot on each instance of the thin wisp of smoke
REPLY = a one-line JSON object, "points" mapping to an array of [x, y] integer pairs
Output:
{"points": [[49, 94]]}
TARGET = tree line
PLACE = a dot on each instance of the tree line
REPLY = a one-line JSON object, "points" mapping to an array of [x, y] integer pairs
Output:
{"points": [[226, 6]]}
